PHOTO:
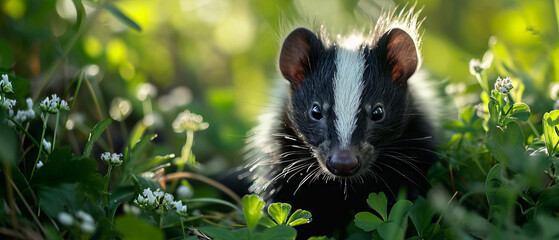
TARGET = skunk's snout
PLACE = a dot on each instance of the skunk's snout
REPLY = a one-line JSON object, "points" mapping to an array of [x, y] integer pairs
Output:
{"points": [[343, 163]]}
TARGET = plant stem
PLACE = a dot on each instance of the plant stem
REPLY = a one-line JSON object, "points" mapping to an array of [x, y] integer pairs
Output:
{"points": [[182, 226], [107, 179], [23, 130], [185, 156], [55, 131], [216, 184], [40, 144]]}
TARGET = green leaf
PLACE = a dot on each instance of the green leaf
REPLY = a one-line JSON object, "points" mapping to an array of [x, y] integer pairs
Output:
{"points": [[421, 215], [520, 111], [94, 135], [399, 209], [493, 183], [134, 228], [119, 196], [252, 208], [379, 203], [299, 217], [279, 232], [279, 212], [122, 17], [9, 143], [267, 222], [550, 121], [223, 233], [367, 221], [61, 167], [136, 134], [395, 227]]}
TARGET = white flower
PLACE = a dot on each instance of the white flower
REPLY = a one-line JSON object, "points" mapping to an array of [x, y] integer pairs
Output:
{"points": [[53, 105], [25, 115], [5, 84], [65, 218], [39, 164], [169, 197], [477, 66], [64, 105], [158, 194], [112, 159], [181, 209], [503, 86], [47, 145], [85, 217], [88, 227], [184, 192], [189, 121], [7, 103], [146, 90], [87, 223]]}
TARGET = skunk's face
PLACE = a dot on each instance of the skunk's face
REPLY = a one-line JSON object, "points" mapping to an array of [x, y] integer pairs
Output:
{"points": [[348, 100]]}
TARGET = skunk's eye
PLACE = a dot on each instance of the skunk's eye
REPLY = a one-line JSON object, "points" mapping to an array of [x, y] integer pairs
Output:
{"points": [[377, 114], [316, 113]]}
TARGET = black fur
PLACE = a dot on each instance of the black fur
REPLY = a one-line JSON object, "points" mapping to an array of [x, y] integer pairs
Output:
{"points": [[288, 158]]}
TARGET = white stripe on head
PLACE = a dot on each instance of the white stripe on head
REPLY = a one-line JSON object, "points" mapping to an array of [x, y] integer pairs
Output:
{"points": [[348, 85]]}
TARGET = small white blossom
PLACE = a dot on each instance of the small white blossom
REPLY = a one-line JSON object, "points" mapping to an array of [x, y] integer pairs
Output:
{"points": [[184, 192], [88, 227], [503, 86], [181, 209], [85, 217], [158, 194], [5, 84], [189, 121], [112, 159], [64, 105], [87, 223], [47, 145], [477, 66], [53, 105], [65, 218], [169, 197], [39, 164], [25, 115], [140, 199], [146, 90], [7, 103]]}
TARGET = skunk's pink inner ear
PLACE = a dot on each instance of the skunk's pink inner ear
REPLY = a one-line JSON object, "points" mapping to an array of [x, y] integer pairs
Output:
{"points": [[401, 55], [294, 60]]}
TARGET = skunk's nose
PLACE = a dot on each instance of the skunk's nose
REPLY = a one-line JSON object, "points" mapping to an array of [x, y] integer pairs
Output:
{"points": [[343, 163]]}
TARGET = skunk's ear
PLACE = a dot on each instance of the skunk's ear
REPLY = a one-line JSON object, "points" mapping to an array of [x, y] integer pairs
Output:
{"points": [[400, 54], [295, 55]]}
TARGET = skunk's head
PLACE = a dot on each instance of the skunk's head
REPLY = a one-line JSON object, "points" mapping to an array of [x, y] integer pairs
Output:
{"points": [[348, 98]]}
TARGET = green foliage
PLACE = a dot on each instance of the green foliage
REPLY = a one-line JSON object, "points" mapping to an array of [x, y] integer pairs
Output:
{"points": [[392, 227], [497, 177], [278, 225]]}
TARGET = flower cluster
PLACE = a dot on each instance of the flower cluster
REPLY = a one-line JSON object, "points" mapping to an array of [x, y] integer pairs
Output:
{"points": [[477, 66], [112, 159], [189, 121], [5, 84], [503, 86], [25, 115], [6, 87], [53, 105], [160, 201], [82, 219], [7, 103]]}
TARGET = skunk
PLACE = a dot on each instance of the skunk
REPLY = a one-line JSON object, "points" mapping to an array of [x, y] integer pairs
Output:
{"points": [[348, 124]]}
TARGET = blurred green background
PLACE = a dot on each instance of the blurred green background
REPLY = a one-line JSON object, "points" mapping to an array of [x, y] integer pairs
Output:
{"points": [[217, 58]]}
